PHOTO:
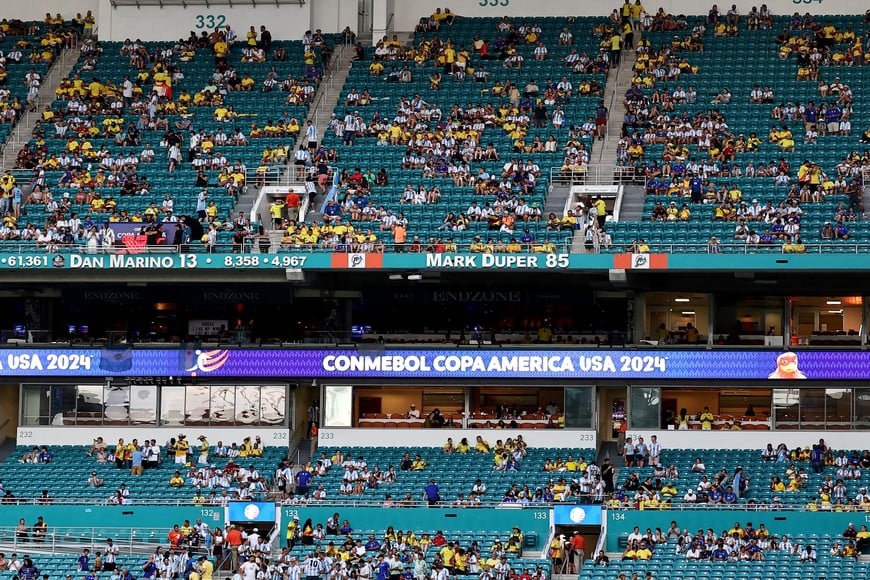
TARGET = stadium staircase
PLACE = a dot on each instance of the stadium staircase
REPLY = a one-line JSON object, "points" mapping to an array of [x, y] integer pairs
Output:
{"points": [[59, 70], [633, 200], [325, 102], [618, 82]]}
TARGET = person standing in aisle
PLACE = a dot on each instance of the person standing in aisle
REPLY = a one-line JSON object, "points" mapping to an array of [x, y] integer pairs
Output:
{"points": [[311, 136]]}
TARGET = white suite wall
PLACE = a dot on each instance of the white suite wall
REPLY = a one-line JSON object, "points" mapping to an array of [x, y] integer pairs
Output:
{"points": [[333, 15], [752, 439], [287, 21], [409, 12], [291, 20], [36, 9], [38, 435], [347, 437]]}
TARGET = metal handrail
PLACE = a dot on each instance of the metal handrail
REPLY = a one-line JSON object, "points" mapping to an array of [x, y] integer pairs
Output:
{"points": [[59, 539], [594, 174], [728, 248]]}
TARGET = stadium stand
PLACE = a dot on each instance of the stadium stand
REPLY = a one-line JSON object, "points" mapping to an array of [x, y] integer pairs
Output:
{"points": [[73, 472], [782, 136], [28, 49], [99, 151], [417, 130], [456, 142], [775, 477], [456, 473], [780, 555]]}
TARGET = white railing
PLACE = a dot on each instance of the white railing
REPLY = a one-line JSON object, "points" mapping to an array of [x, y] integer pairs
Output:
{"points": [[593, 174], [64, 539], [833, 247]]}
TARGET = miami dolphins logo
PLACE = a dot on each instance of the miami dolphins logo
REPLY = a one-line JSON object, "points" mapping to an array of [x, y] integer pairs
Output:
{"points": [[208, 361]]}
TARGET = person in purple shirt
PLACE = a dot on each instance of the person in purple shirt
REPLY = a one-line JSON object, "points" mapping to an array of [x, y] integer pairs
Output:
{"points": [[28, 571], [719, 554], [382, 569], [373, 545], [84, 560], [45, 455], [303, 481], [431, 493], [149, 568], [527, 237]]}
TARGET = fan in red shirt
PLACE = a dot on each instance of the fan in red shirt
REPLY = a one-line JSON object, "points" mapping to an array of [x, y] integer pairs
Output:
{"points": [[175, 536], [292, 199]]}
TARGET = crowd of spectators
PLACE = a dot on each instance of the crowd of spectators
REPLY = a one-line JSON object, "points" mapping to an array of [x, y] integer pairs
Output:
{"points": [[156, 105], [665, 485], [195, 468], [700, 149], [338, 549]]}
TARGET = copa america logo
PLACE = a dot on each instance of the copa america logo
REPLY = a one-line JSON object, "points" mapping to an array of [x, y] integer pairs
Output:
{"points": [[208, 361]]}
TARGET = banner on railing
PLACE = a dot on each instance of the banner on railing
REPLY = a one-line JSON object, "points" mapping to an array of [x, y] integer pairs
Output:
{"points": [[465, 364], [167, 258]]}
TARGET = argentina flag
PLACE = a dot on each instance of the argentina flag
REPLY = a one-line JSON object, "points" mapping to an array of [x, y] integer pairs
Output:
{"points": [[116, 359]]}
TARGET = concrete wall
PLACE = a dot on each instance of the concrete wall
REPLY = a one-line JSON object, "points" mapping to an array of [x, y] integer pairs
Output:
{"points": [[430, 520], [271, 437], [752, 439], [622, 522], [437, 437], [291, 20], [108, 517]]}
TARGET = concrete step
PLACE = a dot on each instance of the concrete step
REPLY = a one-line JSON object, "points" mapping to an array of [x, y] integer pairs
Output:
{"points": [[633, 199], [556, 200]]}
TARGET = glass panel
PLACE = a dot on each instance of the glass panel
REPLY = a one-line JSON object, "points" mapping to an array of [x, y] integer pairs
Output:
{"points": [[749, 320], [223, 404], [171, 405], [247, 405], [118, 404], [89, 405], [273, 405], [862, 408], [196, 410], [677, 317], [838, 407], [34, 407], [339, 406], [62, 403], [645, 408], [578, 407], [785, 408], [143, 404], [812, 408]]}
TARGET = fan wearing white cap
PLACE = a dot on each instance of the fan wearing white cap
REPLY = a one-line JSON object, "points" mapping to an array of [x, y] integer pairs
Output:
{"points": [[253, 538], [413, 412]]}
